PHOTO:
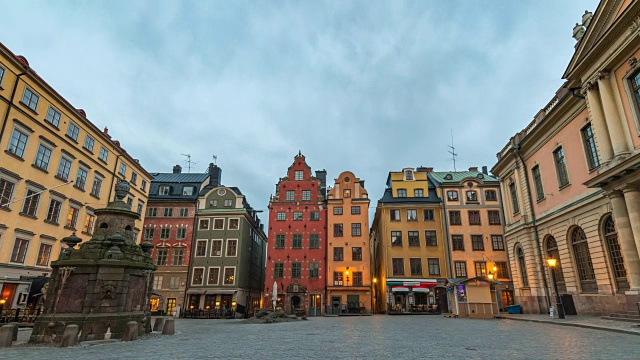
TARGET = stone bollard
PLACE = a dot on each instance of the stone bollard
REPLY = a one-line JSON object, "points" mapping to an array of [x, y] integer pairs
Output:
{"points": [[131, 332], [6, 335], [169, 327], [70, 336], [159, 324], [16, 326]]}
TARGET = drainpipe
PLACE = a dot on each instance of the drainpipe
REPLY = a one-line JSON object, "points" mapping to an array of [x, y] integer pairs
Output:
{"points": [[447, 240], [13, 94], [535, 226], [115, 168]]}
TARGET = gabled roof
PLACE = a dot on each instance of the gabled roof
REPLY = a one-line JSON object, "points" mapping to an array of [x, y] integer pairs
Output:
{"points": [[441, 177], [603, 18]]}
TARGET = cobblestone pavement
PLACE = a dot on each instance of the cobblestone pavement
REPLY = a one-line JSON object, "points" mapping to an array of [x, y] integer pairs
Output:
{"points": [[382, 337], [583, 321]]}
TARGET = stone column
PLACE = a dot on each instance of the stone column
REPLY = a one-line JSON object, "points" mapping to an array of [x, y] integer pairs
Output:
{"points": [[612, 117], [626, 237], [605, 148]]}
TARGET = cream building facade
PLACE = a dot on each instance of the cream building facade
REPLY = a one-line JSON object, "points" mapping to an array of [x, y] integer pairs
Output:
{"points": [[570, 181], [56, 167]]}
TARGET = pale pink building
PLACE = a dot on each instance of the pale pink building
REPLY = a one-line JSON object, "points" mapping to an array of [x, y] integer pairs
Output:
{"points": [[570, 181]]}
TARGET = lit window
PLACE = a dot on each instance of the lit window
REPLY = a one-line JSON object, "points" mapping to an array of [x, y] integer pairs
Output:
{"points": [[88, 224], [44, 255], [72, 218]]}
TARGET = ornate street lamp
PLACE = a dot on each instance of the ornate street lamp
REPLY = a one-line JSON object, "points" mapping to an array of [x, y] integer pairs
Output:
{"points": [[552, 265]]}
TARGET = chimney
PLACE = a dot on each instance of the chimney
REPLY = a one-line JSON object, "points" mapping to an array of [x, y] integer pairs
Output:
{"points": [[473, 168], [215, 173], [424, 169], [322, 176], [485, 170], [177, 169], [362, 184]]}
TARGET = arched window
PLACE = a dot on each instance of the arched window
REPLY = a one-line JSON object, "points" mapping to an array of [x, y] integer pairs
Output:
{"points": [[615, 254], [552, 252], [523, 267], [583, 261]]}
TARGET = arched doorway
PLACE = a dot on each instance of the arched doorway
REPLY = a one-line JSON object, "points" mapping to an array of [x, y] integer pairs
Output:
{"points": [[551, 247], [615, 254], [295, 303], [584, 265]]}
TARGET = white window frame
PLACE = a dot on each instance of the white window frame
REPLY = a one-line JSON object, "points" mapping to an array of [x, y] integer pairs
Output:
{"points": [[213, 222], [208, 224], [33, 93], [193, 271], [122, 170], [164, 190], [234, 275], [25, 132], [217, 283], [206, 248], [227, 248], [54, 110], [44, 242], [158, 279], [90, 141], [221, 247], [73, 136], [105, 152], [75, 226], [229, 223]]}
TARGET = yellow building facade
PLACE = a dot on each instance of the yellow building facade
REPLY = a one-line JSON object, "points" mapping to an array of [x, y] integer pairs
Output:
{"points": [[408, 245], [349, 257], [56, 167]]}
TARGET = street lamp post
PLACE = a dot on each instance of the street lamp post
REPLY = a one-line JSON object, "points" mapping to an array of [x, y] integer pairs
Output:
{"points": [[552, 265]]}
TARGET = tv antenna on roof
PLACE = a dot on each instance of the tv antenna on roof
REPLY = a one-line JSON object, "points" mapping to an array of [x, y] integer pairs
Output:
{"points": [[453, 153], [215, 158], [189, 162]]}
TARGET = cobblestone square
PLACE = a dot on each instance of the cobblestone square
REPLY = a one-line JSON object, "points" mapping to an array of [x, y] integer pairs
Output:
{"points": [[377, 337]]}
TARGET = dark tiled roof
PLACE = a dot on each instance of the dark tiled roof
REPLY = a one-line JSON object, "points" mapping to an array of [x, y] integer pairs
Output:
{"points": [[431, 199], [440, 177], [176, 183], [179, 178]]}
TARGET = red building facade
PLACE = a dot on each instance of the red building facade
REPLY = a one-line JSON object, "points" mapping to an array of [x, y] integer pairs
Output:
{"points": [[297, 242]]}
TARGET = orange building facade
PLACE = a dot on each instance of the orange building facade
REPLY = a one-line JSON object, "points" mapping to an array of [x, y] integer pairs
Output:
{"points": [[349, 257]]}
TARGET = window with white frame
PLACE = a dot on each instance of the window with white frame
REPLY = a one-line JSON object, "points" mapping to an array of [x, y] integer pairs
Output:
{"points": [[163, 190], [216, 247], [53, 213], [6, 192], [198, 275], [228, 203], [306, 194], [203, 224], [18, 142], [97, 186], [30, 98], [89, 143], [143, 185], [299, 175], [73, 130], [232, 247], [168, 212], [2, 71], [89, 221], [64, 168], [165, 233], [104, 154], [43, 156], [81, 178], [229, 275], [53, 116], [290, 195], [72, 217], [187, 190], [44, 254], [181, 233], [31, 201], [201, 248], [214, 276], [123, 171], [281, 216], [177, 259], [157, 282], [218, 224], [234, 224], [19, 251]]}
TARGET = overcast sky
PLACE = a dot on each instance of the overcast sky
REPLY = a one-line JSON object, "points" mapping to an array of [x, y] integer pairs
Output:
{"points": [[370, 87]]}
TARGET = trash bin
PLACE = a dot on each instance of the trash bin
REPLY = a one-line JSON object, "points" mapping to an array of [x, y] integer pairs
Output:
{"points": [[514, 309]]}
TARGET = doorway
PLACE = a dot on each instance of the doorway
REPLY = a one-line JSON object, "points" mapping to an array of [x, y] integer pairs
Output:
{"points": [[441, 298], [171, 306], [295, 303], [315, 305], [335, 304]]}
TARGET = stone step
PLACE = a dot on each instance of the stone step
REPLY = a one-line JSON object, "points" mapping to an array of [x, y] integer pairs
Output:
{"points": [[620, 319], [625, 316]]}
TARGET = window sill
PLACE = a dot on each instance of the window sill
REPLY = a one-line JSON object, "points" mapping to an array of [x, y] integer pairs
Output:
{"points": [[87, 150], [28, 215], [13, 155], [540, 200], [52, 124], [418, 245], [61, 179], [69, 227], [95, 196], [72, 139], [432, 245], [5, 208], [51, 223], [79, 188], [87, 233], [564, 186], [472, 202], [39, 168], [30, 109]]}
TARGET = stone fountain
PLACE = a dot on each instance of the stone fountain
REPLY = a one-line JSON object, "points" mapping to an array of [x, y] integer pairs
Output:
{"points": [[103, 285]]}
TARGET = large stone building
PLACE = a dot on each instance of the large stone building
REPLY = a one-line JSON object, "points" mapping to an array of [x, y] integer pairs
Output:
{"points": [[169, 226], [56, 168], [570, 181], [228, 253], [297, 246], [349, 257], [409, 247], [473, 226]]}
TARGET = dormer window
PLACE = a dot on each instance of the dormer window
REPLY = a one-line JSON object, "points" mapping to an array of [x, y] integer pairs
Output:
{"points": [[163, 190], [187, 190], [402, 193], [408, 174], [448, 177], [480, 176]]}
